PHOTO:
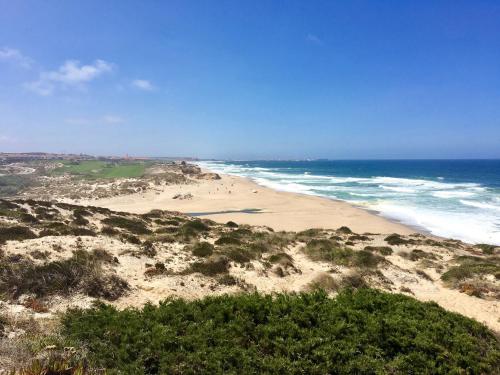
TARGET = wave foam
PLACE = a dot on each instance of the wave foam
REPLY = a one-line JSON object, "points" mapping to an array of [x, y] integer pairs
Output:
{"points": [[484, 205], [420, 202]]}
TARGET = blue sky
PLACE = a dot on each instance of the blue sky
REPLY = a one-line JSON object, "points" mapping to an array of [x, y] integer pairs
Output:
{"points": [[251, 79]]}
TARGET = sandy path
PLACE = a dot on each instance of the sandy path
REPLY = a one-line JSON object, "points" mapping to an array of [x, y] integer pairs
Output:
{"points": [[278, 210]]}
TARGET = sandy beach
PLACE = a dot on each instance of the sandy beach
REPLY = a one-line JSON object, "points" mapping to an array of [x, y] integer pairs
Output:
{"points": [[243, 201]]}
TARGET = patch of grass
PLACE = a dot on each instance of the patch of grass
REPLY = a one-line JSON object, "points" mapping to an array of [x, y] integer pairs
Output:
{"points": [[363, 331], [329, 250], [202, 249], [97, 169], [15, 233], [332, 251], [134, 226], [417, 254], [471, 267], [384, 250], [82, 272], [309, 234]]}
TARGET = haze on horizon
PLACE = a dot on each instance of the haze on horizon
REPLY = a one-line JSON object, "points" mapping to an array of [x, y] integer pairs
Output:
{"points": [[251, 80]]}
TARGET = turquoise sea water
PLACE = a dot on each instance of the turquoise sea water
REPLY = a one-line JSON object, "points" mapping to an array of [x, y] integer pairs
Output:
{"points": [[451, 198]]}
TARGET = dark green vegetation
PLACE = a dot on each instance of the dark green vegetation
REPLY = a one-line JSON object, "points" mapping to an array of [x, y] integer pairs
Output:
{"points": [[363, 331], [15, 232], [82, 272], [396, 239], [134, 226], [202, 249]]}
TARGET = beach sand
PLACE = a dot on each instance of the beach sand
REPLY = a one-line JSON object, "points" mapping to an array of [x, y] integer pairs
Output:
{"points": [[243, 201]]}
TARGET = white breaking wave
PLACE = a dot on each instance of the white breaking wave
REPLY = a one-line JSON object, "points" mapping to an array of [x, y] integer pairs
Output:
{"points": [[460, 225], [453, 194], [400, 189], [434, 205], [487, 206]]}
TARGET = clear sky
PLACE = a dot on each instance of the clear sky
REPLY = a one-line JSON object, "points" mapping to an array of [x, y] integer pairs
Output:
{"points": [[251, 79]]}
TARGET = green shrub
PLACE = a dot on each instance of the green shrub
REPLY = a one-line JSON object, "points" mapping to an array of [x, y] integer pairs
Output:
{"points": [[80, 220], [417, 254], [109, 231], [353, 280], [470, 267], [308, 234], [344, 230], [202, 249], [358, 332], [365, 259], [214, 265], [227, 280], [486, 249], [238, 254], [231, 224], [82, 272], [280, 258], [227, 240], [132, 225], [15, 233], [131, 239], [169, 229], [358, 237], [196, 225], [328, 250], [424, 275], [324, 282], [396, 239], [28, 218], [81, 212]]}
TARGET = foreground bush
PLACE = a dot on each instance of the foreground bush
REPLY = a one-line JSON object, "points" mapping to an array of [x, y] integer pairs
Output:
{"points": [[364, 331]]}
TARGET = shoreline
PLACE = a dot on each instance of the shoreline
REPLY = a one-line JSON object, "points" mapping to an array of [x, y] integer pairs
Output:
{"points": [[415, 228], [240, 199]]}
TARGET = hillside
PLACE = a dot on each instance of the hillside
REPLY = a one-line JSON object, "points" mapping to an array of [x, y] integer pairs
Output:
{"points": [[57, 255]]}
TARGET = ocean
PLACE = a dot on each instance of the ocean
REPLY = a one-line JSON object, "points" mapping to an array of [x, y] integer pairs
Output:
{"points": [[451, 198]]}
